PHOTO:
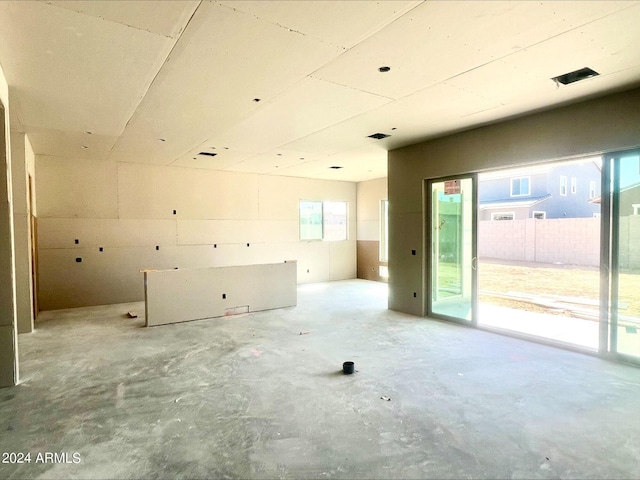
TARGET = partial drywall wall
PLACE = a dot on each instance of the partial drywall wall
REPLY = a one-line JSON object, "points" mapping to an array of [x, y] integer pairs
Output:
{"points": [[370, 194], [215, 292], [8, 319], [605, 124], [220, 219], [22, 232]]}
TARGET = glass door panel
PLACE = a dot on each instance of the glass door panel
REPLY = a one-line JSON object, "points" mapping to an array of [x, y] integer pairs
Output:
{"points": [[451, 270], [625, 280]]}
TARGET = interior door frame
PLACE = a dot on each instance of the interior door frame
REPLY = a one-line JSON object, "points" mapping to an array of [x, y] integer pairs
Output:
{"points": [[427, 249]]}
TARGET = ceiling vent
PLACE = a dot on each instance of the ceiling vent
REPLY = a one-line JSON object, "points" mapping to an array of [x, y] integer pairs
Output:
{"points": [[576, 76], [379, 136], [208, 154], [335, 167]]}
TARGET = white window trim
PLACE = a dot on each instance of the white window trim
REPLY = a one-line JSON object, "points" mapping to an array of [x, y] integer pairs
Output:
{"points": [[384, 229], [495, 214], [544, 214], [563, 184], [520, 194], [574, 185], [324, 229]]}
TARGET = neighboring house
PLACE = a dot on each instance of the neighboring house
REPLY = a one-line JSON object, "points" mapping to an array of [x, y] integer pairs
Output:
{"points": [[629, 200], [564, 190]]}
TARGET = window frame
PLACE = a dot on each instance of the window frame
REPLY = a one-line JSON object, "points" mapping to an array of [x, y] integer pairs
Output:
{"points": [[511, 182], [383, 254], [323, 221], [543, 212], [563, 185], [494, 214]]}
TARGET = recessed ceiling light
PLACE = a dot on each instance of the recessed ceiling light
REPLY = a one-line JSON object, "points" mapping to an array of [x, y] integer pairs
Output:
{"points": [[393, 128], [335, 167], [379, 136], [88, 132], [212, 148], [279, 154], [575, 76], [384, 69], [208, 154], [161, 140], [84, 146], [301, 158], [256, 100], [226, 148]]}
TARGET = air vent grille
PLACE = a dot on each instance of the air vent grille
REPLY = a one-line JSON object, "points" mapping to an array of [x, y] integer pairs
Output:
{"points": [[379, 136], [575, 76]]}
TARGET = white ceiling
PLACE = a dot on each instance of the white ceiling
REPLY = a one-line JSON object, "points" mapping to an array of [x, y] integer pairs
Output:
{"points": [[160, 82]]}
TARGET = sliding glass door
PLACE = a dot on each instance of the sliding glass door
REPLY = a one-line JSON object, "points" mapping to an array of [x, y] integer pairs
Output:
{"points": [[451, 276], [624, 285]]}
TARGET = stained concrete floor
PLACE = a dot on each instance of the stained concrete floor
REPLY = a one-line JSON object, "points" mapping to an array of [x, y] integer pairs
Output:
{"points": [[250, 397]]}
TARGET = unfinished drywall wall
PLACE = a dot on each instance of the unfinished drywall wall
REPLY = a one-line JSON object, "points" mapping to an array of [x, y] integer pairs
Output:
{"points": [[218, 291], [122, 216], [22, 231], [8, 319], [590, 127], [370, 195]]}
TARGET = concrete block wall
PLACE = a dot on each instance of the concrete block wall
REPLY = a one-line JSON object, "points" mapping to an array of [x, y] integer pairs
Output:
{"points": [[502, 239], [572, 241], [122, 216], [629, 243]]}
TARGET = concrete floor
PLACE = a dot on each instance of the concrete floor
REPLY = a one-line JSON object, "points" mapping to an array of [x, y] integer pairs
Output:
{"points": [[249, 397]]}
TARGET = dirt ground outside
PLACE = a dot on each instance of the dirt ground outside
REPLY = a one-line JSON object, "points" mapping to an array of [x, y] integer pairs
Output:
{"points": [[502, 277]]}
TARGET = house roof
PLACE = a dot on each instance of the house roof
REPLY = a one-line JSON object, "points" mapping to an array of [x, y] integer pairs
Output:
{"points": [[513, 202]]}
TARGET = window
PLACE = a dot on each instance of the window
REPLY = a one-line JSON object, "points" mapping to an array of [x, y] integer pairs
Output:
{"points": [[539, 214], [636, 208], [563, 185], [384, 231], [574, 185], [520, 187], [323, 221], [383, 271], [592, 189], [311, 221], [502, 216], [335, 220]]}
